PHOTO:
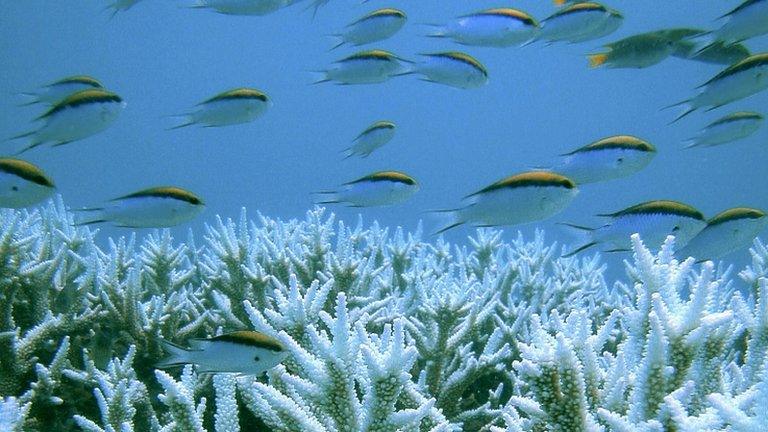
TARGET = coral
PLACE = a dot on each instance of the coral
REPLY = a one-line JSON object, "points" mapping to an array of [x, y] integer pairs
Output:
{"points": [[386, 331]]}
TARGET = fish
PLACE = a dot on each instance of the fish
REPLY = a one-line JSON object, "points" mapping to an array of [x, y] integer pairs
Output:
{"points": [[243, 352], [580, 22], [498, 27], [241, 7], [717, 52], [78, 116], [745, 21], [376, 26], [381, 188], [607, 159], [653, 220], [364, 67], [121, 5], [517, 199], [373, 137], [730, 230], [732, 127], [638, 51], [57, 91], [155, 207], [23, 184], [236, 106], [452, 68], [738, 81]]}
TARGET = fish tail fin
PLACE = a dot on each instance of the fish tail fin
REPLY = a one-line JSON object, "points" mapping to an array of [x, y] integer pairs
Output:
{"points": [[583, 237], [97, 218], [21, 135], [327, 197], [340, 41], [437, 30], [183, 125], [702, 42], [558, 2], [348, 153], [688, 108], [597, 60], [35, 142], [691, 143], [454, 219], [198, 4], [177, 355], [32, 99]]}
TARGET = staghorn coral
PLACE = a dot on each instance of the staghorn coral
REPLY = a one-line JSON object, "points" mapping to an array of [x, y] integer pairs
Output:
{"points": [[386, 332]]}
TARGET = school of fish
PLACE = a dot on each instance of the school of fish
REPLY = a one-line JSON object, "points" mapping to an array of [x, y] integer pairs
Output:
{"points": [[78, 107]]}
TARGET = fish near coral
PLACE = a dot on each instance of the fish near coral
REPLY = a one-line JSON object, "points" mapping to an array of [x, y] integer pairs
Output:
{"points": [[727, 232], [607, 159], [23, 184], [378, 189], [244, 352], [156, 207]]}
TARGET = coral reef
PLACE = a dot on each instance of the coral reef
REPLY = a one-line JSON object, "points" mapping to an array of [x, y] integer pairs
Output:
{"points": [[386, 332]]}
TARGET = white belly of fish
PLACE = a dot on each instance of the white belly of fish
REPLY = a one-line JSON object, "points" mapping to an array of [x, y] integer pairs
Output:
{"points": [[567, 28], [150, 212], [15, 192], [451, 72], [363, 71], [366, 31], [245, 7], [717, 241], [726, 132], [228, 112], [602, 165], [653, 230], [750, 22], [74, 123], [517, 206], [376, 193], [490, 31], [733, 87]]}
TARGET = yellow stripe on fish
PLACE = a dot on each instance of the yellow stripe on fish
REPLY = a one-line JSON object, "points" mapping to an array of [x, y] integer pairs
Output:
{"points": [[165, 192], [526, 179], [385, 12], [250, 338], [25, 170], [736, 214], [626, 142], [239, 93], [393, 176], [375, 54], [748, 63], [509, 12], [82, 98], [579, 7], [739, 115], [461, 57], [79, 79], [667, 207], [382, 124]]}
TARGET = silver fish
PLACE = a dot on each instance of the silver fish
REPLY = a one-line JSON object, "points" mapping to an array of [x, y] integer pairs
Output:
{"points": [[609, 158], [240, 105], [78, 116], [717, 52], [373, 137], [580, 22], [740, 80], [499, 27], [517, 199], [241, 7], [376, 26], [653, 220], [243, 352], [364, 67], [727, 232], [23, 184], [747, 20], [455, 69], [57, 91], [381, 188], [734, 126], [156, 207]]}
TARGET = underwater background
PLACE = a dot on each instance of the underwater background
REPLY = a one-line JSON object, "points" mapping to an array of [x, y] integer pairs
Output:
{"points": [[383, 328]]}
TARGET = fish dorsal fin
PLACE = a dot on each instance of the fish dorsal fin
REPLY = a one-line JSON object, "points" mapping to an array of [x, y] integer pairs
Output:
{"points": [[530, 178], [393, 176], [165, 192], [251, 338], [736, 213], [81, 98], [25, 170], [626, 142], [239, 93], [659, 207]]}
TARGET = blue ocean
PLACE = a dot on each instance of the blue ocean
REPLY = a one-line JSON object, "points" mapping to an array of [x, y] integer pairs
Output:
{"points": [[297, 296]]}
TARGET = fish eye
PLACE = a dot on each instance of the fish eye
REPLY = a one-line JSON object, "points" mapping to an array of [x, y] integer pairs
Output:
{"points": [[257, 359], [676, 228], [620, 160], [15, 188]]}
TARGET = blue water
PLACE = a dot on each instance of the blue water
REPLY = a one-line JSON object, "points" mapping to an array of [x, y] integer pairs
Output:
{"points": [[540, 101]]}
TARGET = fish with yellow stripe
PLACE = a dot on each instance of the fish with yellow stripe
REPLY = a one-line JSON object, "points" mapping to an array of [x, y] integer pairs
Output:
{"points": [[653, 220], [738, 81], [637, 52], [727, 232], [375, 26], [497, 27], [243, 352], [373, 137], [452, 68], [364, 67], [579, 22], [79, 115], [380, 188], [155, 207], [732, 127], [236, 106], [745, 21], [23, 184], [606, 159], [521, 198], [58, 90]]}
